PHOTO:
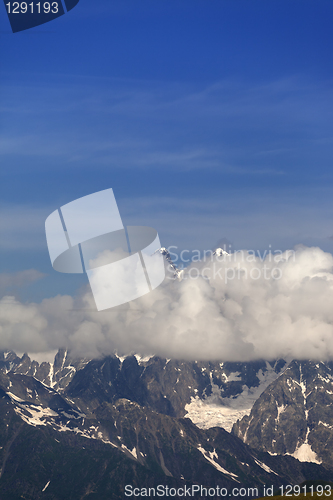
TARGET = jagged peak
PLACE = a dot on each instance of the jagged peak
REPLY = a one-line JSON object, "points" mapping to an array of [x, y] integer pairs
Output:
{"points": [[177, 273], [220, 251]]}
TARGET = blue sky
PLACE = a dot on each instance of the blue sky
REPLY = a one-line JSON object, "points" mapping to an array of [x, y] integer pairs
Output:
{"points": [[210, 119]]}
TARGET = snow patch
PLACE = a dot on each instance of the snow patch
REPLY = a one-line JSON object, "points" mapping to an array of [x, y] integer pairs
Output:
{"points": [[210, 455], [327, 380], [142, 359], [264, 466], [325, 425], [280, 409], [133, 452], [36, 414], [233, 377], [46, 486], [218, 411], [206, 415], [304, 452], [16, 398]]}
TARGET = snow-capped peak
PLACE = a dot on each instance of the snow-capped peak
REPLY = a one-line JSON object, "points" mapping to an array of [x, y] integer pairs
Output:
{"points": [[219, 251], [177, 273]]}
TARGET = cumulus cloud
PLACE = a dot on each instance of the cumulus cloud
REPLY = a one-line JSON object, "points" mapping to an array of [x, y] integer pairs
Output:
{"points": [[241, 307]]}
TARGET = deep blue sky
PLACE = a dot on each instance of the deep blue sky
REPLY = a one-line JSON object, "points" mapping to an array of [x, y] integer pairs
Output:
{"points": [[210, 119]]}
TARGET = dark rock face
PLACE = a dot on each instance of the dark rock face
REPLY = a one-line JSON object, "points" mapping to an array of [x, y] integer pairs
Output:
{"points": [[165, 385], [294, 414], [57, 374], [90, 428]]}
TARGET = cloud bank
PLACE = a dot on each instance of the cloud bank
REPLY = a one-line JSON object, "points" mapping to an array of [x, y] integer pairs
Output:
{"points": [[234, 308]]}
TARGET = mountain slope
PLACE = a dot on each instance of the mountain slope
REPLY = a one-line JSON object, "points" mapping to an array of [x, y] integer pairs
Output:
{"points": [[294, 415], [82, 456], [119, 421], [57, 374]]}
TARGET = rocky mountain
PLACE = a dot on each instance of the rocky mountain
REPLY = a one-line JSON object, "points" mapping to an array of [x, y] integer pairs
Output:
{"points": [[89, 428], [180, 273], [56, 375], [219, 252], [209, 393], [294, 415], [171, 267]]}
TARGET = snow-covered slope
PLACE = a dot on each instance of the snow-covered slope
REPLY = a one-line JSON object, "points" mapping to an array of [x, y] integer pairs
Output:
{"points": [[177, 273], [216, 410], [294, 415]]}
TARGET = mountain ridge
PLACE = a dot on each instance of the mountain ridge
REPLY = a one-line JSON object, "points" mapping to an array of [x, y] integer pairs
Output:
{"points": [[129, 413]]}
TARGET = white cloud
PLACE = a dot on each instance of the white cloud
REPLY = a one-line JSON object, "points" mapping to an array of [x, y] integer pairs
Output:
{"points": [[229, 319], [238, 217]]}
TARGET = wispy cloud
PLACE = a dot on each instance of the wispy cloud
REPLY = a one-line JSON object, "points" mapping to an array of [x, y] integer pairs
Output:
{"points": [[22, 227], [229, 125], [255, 220]]}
